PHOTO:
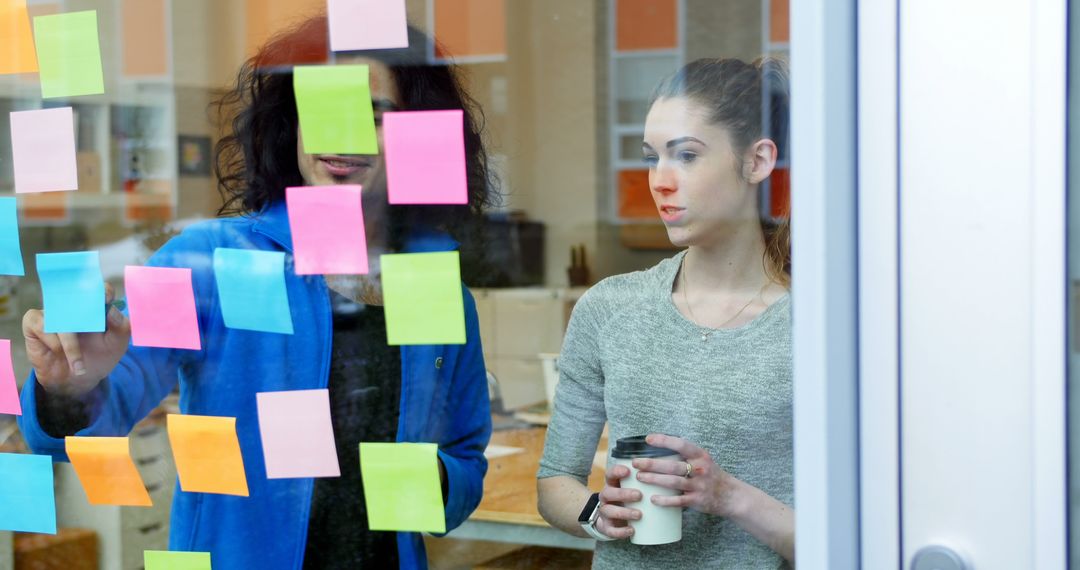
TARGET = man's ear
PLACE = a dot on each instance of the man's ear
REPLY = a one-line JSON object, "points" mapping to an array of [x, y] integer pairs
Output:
{"points": [[760, 160]]}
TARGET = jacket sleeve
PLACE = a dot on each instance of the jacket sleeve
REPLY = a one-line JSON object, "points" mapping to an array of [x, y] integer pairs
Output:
{"points": [[144, 375], [462, 447]]}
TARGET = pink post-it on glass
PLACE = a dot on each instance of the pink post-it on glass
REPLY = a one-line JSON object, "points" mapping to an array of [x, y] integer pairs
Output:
{"points": [[297, 436], [9, 392], [43, 150], [367, 24], [327, 230], [425, 157], [162, 307]]}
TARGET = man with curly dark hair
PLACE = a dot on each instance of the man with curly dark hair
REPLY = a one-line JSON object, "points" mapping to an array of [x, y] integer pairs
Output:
{"points": [[94, 384]]}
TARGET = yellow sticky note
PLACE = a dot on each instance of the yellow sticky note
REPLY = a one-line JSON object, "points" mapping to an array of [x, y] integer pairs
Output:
{"points": [[207, 454], [17, 54], [106, 471], [402, 489]]}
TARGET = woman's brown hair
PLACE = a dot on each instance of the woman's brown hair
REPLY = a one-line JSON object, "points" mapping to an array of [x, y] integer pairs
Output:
{"points": [[750, 100]]}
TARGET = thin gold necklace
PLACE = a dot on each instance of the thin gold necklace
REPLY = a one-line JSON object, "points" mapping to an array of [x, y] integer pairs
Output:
{"points": [[706, 331]]}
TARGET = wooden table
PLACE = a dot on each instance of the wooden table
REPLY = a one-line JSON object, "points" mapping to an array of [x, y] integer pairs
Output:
{"points": [[508, 513]]}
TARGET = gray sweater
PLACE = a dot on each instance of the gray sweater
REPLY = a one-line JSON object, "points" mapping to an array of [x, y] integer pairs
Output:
{"points": [[630, 358]]}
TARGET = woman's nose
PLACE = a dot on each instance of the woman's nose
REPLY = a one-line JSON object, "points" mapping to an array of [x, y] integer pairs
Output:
{"points": [[662, 180]]}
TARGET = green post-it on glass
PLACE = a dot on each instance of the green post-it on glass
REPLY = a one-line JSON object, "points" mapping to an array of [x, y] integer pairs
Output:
{"points": [[334, 106], [402, 489], [423, 298], [164, 560], [69, 55]]}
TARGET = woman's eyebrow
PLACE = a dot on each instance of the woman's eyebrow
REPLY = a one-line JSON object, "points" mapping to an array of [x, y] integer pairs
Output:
{"points": [[680, 140]]}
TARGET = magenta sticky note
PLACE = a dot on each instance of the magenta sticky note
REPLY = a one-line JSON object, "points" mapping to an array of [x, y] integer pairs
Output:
{"points": [[367, 24], [43, 150], [327, 229], [9, 392], [297, 436], [161, 304], [425, 157]]}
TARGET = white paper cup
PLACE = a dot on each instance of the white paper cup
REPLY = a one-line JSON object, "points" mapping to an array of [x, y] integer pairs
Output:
{"points": [[657, 525]]}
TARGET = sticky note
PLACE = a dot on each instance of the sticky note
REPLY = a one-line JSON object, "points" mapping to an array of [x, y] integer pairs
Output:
{"points": [[18, 55], [425, 157], [251, 288], [334, 106], [43, 150], [69, 55], [327, 229], [207, 454], [106, 471], [367, 24], [164, 560], [161, 303], [401, 487], [11, 261], [74, 291], [423, 298], [297, 436], [26, 493], [9, 391]]}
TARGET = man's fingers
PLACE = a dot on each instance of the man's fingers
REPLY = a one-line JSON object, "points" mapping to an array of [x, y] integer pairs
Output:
{"points": [[615, 512], [110, 293], [617, 495], [616, 474], [70, 344], [613, 531]]}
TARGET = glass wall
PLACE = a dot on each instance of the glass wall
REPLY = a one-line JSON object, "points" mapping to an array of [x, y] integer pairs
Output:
{"points": [[320, 389]]}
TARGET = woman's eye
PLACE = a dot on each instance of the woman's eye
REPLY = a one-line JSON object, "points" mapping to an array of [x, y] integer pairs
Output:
{"points": [[650, 160], [687, 156]]}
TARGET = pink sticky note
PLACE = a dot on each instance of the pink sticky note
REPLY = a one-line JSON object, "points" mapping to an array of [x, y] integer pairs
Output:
{"points": [[367, 24], [161, 303], [297, 436], [425, 157], [9, 393], [43, 150], [327, 229]]}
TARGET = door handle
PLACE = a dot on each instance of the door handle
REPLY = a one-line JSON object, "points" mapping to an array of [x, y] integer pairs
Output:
{"points": [[937, 557]]}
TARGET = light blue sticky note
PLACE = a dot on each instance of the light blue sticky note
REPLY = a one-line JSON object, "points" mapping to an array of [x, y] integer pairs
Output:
{"points": [[74, 291], [251, 286], [11, 261], [27, 502]]}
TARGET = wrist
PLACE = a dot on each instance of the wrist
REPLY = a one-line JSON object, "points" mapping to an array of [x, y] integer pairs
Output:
{"points": [[737, 498]]}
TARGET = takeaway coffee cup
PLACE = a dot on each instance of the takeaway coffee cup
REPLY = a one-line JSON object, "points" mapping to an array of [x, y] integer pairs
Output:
{"points": [[657, 525]]}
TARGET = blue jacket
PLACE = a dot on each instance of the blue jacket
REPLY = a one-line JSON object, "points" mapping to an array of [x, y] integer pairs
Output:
{"points": [[444, 400]]}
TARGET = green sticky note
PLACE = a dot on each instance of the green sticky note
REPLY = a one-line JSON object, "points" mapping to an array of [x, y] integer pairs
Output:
{"points": [[401, 487], [423, 298], [69, 56], [334, 106], [163, 560]]}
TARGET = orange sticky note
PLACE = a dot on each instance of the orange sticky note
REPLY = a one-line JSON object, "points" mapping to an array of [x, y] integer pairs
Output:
{"points": [[17, 53], [106, 471], [207, 454]]}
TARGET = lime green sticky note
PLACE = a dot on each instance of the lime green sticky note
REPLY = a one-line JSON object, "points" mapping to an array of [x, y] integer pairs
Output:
{"points": [[69, 56], [401, 487], [163, 560], [423, 298], [334, 106]]}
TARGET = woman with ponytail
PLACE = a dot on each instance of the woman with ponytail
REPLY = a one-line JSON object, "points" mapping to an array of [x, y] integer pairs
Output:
{"points": [[695, 351]]}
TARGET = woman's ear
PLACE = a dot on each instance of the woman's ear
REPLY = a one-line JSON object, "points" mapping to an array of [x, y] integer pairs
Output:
{"points": [[760, 160]]}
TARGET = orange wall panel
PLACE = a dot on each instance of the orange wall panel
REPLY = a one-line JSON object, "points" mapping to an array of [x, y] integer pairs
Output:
{"points": [[146, 37], [635, 200], [779, 21], [470, 28], [268, 17], [646, 24]]}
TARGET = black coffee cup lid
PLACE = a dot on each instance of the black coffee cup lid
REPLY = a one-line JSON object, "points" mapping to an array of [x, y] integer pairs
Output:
{"points": [[635, 446]]}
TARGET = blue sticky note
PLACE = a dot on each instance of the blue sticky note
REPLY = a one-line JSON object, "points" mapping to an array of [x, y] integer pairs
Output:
{"points": [[27, 502], [251, 286], [74, 291], [11, 262]]}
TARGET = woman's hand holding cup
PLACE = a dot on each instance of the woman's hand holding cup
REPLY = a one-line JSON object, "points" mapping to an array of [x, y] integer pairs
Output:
{"points": [[73, 364], [614, 517], [705, 486]]}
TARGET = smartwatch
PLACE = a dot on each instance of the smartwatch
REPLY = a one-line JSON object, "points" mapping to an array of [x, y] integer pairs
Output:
{"points": [[588, 516]]}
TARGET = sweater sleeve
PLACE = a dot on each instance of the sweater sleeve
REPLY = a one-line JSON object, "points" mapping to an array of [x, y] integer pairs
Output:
{"points": [[138, 383], [578, 417], [462, 447]]}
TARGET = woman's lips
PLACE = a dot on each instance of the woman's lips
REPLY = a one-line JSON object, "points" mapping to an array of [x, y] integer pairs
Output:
{"points": [[343, 166], [670, 214]]}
